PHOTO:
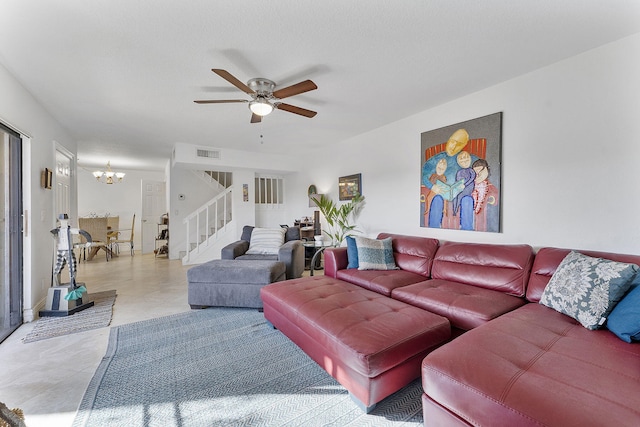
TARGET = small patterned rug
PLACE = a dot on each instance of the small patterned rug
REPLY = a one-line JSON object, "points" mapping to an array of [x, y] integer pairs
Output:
{"points": [[94, 317], [223, 367]]}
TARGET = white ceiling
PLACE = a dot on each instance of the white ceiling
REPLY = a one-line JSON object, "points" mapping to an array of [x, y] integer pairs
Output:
{"points": [[121, 75]]}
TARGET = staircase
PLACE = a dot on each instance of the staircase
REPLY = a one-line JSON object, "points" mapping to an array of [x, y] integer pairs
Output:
{"points": [[224, 179], [207, 225]]}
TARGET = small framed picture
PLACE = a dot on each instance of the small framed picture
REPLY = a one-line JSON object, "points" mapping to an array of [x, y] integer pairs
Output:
{"points": [[349, 186], [47, 178]]}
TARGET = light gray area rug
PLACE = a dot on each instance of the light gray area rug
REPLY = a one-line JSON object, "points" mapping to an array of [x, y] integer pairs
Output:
{"points": [[94, 317], [223, 367]]}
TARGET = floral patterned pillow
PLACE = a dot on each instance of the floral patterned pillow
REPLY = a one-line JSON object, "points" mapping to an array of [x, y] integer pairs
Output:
{"points": [[588, 288]]}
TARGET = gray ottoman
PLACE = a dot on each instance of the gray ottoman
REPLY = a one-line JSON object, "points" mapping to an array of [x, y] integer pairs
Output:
{"points": [[232, 283]]}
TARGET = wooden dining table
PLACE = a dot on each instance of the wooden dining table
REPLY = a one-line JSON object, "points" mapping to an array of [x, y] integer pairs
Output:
{"points": [[103, 231]]}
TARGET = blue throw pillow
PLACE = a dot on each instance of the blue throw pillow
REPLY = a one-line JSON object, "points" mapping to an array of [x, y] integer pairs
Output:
{"points": [[352, 252], [624, 320]]}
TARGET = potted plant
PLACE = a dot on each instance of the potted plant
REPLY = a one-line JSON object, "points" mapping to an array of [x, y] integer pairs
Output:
{"points": [[338, 217]]}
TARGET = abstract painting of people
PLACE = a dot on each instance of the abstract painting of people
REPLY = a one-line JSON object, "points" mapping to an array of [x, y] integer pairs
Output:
{"points": [[460, 179]]}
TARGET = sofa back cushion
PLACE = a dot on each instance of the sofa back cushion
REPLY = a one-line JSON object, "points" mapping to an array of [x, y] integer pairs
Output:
{"points": [[503, 268], [548, 259], [246, 233], [292, 233], [412, 253]]}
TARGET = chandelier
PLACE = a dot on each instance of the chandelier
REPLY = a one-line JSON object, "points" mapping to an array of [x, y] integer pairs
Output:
{"points": [[108, 175]]}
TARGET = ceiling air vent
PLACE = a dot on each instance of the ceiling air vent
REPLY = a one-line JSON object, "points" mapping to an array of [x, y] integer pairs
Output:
{"points": [[209, 154]]}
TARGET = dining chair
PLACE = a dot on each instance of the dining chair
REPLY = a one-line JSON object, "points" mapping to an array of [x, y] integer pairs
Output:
{"points": [[97, 229], [129, 240]]}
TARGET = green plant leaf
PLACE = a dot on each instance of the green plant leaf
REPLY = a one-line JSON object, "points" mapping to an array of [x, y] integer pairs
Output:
{"points": [[338, 218]]}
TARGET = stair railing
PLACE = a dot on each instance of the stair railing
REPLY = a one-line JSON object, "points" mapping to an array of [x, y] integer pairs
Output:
{"points": [[203, 224]]}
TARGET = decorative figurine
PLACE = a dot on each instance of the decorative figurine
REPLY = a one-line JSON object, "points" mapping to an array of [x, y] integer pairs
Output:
{"points": [[64, 251], [64, 299]]}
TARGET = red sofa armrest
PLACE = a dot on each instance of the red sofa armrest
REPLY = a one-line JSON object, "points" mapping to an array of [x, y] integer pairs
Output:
{"points": [[335, 259]]}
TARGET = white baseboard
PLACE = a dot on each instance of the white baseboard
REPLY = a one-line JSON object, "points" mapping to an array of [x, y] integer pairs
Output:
{"points": [[31, 314]]}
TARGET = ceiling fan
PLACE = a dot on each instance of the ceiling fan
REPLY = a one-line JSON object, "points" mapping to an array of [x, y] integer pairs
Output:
{"points": [[264, 99]]}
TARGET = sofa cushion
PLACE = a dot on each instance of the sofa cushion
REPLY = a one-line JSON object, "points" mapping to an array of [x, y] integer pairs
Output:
{"points": [[624, 320], [292, 233], [266, 240], [587, 288], [548, 259], [380, 281], [465, 306], [503, 268], [412, 253], [533, 367], [246, 233], [374, 254]]}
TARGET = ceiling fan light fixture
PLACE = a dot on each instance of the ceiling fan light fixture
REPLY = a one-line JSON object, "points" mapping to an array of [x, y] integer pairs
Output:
{"points": [[261, 107], [264, 96]]}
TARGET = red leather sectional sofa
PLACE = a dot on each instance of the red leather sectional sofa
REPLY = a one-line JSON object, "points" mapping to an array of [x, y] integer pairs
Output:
{"points": [[509, 361]]}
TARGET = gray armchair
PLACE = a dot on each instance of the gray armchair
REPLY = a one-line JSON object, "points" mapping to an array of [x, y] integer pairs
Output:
{"points": [[291, 252]]}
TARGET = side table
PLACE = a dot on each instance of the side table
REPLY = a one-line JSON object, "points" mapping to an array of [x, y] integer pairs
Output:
{"points": [[319, 248]]}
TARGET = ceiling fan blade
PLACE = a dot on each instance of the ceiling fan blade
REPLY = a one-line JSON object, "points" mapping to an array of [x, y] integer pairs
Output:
{"points": [[295, 89], [219, 101], [231, 79], [256, 118], [296, 110]]}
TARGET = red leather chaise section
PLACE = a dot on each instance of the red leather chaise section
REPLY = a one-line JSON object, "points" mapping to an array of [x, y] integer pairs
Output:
{"points": [[373, 345], [532, 367]]}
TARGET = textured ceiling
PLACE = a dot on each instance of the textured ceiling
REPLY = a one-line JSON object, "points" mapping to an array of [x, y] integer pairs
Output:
{"points": [[121, 75]]}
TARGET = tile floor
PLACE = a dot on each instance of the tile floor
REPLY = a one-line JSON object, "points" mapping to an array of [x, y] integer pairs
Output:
{"points": [[47, 379]]}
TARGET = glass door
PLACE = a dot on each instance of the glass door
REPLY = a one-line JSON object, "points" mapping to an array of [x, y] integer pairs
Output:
{"points": [[10, 232]]}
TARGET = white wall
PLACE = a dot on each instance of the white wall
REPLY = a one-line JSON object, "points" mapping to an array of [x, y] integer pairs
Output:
{"points": [[196, 193], [19, 110], [570, 153], [569, 161], [244, 166], [121, 199]]}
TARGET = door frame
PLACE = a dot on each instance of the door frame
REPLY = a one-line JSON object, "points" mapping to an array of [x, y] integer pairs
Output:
{"points": [[13, 294], [150, 231], [73, 183]]}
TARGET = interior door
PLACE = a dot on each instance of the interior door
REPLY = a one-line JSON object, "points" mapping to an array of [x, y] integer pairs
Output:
{"points": [[63, 185], [154, 205]]}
